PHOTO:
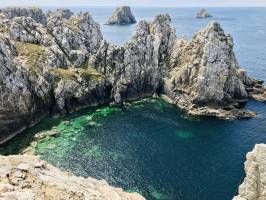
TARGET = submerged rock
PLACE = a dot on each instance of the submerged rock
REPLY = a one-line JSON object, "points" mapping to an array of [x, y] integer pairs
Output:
{"points": [[121, 16], [203, 13], [254, 185], [36, 179]]}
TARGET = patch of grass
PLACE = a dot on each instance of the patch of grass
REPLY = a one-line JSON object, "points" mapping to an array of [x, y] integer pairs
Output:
{"points": [[72, 73], [90, 74], [66, 73], [34, 55]]}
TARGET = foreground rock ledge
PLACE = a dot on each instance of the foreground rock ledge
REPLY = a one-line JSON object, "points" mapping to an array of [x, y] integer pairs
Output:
{"points": [[27, 177], [254, 185]]}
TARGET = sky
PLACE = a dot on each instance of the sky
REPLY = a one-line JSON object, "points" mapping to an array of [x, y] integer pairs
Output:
{"points": [[172, 3]]}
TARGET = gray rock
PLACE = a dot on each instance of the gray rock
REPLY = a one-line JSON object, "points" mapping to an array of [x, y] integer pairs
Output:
{"points": [[60, 12], [66, 64], [121, 16], [254, 184], [35, 13], [203, 13]]}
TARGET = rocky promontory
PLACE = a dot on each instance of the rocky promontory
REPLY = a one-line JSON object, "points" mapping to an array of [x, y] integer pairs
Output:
{"points": [[254, 185], [121, 16], [203, 13], [26, 177], [62, 65]]}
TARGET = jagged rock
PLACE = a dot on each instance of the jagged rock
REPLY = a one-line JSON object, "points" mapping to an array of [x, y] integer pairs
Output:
{"points": [[254, 185], [60, 12], [203, 13], [121, 16], [76, 39], [139, 65], [64, 65], [47, 182], [35, 13], [205, 72], [25, 29], [24, 96]]}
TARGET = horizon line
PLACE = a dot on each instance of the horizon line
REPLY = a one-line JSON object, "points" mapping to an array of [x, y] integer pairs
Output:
{"points": [[154, 6]]}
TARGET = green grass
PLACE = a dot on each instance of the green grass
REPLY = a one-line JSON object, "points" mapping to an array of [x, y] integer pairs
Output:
{"points": [[33, 54]]}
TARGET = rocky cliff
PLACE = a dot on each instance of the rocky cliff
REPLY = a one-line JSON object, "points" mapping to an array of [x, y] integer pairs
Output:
{"points": [[25, 177], [253, 187], [64, 64], [121, 16]]}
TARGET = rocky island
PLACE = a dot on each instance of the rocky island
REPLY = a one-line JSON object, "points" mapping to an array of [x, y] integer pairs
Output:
{"points": [[121, 16], [203, 13]]}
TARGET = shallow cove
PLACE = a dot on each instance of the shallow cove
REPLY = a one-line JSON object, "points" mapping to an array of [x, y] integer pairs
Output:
{"points": [[151, 148]]}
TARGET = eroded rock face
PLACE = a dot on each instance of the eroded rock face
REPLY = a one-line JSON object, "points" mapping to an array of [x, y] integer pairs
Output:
{"points": [[253, 187], [121, 16], [28, 177], [35, 13], [137, 68], [65, 64], [203, 13], [205, 72]]}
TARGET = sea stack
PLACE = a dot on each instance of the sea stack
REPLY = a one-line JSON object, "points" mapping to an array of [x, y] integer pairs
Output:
{"points": [[122, 16], [203, 13]]}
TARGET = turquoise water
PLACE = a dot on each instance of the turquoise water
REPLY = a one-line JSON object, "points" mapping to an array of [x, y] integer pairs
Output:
{"points": [[150, 147]]}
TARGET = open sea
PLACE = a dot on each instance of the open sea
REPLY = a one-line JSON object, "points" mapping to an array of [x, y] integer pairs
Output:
{"points": [[150, 146]]}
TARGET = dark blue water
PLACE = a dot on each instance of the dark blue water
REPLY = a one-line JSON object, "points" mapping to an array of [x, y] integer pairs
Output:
{"points": [[152, 148]]}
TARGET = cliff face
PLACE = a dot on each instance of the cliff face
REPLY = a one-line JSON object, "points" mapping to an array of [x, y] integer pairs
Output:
{"points": [[63, 64], [27, 177], [253, 187]]}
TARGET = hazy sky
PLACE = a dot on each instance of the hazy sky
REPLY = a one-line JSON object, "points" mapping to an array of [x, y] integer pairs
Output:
{"points": [[178, 3]]}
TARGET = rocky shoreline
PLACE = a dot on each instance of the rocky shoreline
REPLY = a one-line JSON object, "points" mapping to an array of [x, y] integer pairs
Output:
{"points": [[55, 64], [253, 186], [26, 177]]}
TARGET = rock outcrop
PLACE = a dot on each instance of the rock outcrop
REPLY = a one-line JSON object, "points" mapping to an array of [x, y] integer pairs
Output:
{"points": [[254, 185], [121, 16], [205, 72], [35, 13], [203, 13], [26, 177], [64, 64]]}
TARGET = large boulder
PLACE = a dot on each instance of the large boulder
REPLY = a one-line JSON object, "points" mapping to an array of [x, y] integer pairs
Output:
{"points": [[121, 16]]}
